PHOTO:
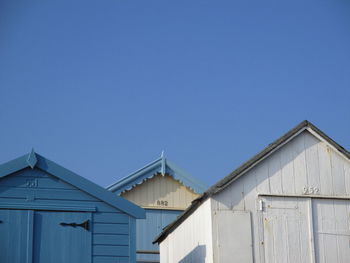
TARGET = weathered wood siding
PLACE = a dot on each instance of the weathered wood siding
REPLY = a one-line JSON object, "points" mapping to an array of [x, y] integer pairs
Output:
{"points": [[192, 240], [161, 192], [113, 237], [305, 166]]}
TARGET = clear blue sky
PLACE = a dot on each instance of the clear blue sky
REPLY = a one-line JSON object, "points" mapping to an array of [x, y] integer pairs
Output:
{"points": [[102, 87]]}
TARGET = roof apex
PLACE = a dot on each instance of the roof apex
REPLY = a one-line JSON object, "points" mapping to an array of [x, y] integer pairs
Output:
{"points": [[159, 166]]}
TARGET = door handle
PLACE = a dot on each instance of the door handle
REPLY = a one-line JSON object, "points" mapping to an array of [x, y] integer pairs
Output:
{"points": [[85, 225]]}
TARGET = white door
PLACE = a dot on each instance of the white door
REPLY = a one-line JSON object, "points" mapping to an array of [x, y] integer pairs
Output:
{"points": [[286, 230], [332, 230], [234, 238]]}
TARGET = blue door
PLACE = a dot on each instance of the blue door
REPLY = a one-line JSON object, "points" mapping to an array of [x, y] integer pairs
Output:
{"points": [[62, 237], [28, 236], [14, 235]]}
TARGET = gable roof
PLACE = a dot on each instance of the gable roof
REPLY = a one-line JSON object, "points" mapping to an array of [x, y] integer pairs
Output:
{"points": [[245, 167], [159, 166], [34, 160]]}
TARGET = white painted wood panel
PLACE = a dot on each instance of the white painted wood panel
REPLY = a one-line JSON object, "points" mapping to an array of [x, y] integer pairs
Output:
{"points": [[286, 230], [303, 163], [192, 240], [262, 181], [332, 230], [347, 177], [161, 192], [337, 169], [234, 237], [305, 166], [326, 182], [297, 146], [164, 248], [275, 174], [312, 161], [231, 199], [287, 170]]}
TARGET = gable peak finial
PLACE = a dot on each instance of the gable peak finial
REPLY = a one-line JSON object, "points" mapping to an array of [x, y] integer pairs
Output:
{"points": [[32, 160], [162, 163]]}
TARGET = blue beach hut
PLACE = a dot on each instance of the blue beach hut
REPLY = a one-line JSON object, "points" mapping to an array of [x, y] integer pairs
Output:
{"points": [[50, 214], [164, 191]]}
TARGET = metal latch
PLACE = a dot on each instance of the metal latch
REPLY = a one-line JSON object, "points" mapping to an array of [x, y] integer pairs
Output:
{"points": [[261, 205], [85, 225]]}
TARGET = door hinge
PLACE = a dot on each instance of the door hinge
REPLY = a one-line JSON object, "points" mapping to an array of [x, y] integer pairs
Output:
{"points": [[85, 225]]}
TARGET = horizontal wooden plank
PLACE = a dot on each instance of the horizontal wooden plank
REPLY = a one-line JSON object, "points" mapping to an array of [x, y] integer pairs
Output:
{"points": [[114, 218], [57, 194], [52, 207], [102, 250], [100, 206], [111, 228], [102, 259], [28, 172], [35, 182], [101, 239]]}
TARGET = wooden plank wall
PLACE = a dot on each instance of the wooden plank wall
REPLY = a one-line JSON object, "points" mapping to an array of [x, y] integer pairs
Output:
{"points": [[111, 229], [192, 240], [161, 192], [304, 166]]}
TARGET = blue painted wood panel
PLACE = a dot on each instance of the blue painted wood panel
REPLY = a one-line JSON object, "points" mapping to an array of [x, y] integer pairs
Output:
{"points": [[55, 243], [147, 229], [14, 236], [112, 234], [111, 260]]}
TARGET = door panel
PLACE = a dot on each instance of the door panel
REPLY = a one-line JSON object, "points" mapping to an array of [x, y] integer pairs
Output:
{"points": [[234, 236], [55, 243], [286, 230], [14, 235], [332, 230]]}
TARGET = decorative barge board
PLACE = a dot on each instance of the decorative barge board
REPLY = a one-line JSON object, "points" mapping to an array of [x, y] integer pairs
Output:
{"points": [[289, 203], [50, 214], [165, 191]]}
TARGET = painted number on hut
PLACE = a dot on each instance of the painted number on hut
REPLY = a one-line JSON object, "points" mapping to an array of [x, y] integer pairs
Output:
{"points": [[162, 203], [32, 183], [307, 190]]}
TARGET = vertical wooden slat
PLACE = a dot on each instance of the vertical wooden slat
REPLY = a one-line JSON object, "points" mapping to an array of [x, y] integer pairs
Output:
{"points": [[30, 238], [312, 161], [275, 174], [311, 230], [338, 173], [287, 170], [347, 176], [298, 148], [324, 155], [262, 178], [132, 239]]}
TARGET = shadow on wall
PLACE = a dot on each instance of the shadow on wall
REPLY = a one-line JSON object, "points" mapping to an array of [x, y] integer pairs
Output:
{"points": [[196, 255]]}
